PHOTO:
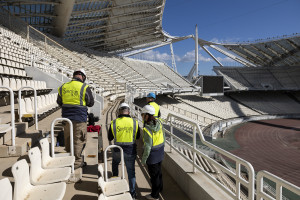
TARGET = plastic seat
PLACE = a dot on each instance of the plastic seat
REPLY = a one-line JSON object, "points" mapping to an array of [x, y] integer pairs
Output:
{"points": [[6, 70], [125, 196], [29, 106], [113, 187], [6, 189], [24, 190], [49, 162], [40, 176], [13, 84]]}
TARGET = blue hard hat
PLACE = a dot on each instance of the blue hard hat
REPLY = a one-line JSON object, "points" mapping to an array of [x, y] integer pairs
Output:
{"points": [[151, 95]]}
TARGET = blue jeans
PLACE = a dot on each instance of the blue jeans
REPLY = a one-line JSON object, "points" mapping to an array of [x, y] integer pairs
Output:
{"points": [[129, 162]]}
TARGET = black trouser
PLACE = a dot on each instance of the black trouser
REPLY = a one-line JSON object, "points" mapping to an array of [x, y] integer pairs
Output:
{"points": [[156, 179]]}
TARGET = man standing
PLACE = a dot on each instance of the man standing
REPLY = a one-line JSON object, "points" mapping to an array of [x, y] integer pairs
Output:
{"points": [[150, 101], [124, 131], [74, 97]]}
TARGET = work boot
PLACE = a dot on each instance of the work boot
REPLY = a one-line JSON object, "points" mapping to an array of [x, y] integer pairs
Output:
{"points": [[148, 196]]}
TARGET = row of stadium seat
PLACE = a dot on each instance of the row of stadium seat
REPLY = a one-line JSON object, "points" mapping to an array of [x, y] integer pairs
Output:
{"points": [[45, 104], [14, 64], [16, 84], [12, 71]]}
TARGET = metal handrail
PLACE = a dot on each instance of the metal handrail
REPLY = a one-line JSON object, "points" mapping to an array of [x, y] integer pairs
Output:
{"points": [[71, 138], [280, 183], [12, 111], [105, 160], [169, 106], [196, 129], [35, 105]]}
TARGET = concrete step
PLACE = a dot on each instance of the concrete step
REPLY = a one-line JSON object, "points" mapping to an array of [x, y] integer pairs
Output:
{"points": [[20, 128], [23, 143]]}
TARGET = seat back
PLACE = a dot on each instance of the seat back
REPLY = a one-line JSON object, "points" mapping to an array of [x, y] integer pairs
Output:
{"points": [[100, 169], [20, 171], [28, 106], [45, 151], [101, 183], [36, 163], [6, 189]]}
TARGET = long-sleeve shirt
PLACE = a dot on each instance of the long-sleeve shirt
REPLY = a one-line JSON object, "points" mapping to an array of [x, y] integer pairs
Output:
{"points": [[152, 156], [129, 149], [77, 113]]}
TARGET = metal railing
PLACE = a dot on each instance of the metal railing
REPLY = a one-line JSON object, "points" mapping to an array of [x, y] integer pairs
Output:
{"points": [[280, 183], [71, 138], [12, 112], [189, 114], [236, 175]]}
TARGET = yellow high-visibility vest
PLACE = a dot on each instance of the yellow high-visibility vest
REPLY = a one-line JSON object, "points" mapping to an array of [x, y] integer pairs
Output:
{"points": [[156, 107], [158, 138], [73, 93], [124, 130]]}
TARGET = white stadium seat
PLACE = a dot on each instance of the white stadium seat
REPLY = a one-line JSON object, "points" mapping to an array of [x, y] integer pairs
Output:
{"points": [[49, 162], [24, 189], [40, 176], [6, 189]]}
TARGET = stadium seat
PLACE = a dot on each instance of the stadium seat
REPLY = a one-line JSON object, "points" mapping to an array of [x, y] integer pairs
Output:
{"points": [[49, 162], [113, 186], [24, 189], [6, 189], [40, 176], [125, 196]]}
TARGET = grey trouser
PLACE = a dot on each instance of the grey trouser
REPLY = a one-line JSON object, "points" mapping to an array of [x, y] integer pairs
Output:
{"points": [[79, 137]]}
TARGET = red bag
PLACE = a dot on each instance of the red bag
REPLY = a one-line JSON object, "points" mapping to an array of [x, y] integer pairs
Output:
{"points": [[95, 128]]}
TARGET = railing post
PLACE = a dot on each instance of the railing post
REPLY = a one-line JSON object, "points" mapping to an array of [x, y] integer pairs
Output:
{"points": [[171, 130], [194, 148], [12, 112], [71, 138], [238, 183]]}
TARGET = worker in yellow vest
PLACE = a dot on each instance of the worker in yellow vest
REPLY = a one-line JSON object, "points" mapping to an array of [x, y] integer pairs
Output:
{"points": [[125, 131], [153, 155], [74, 97], [150, 101]]}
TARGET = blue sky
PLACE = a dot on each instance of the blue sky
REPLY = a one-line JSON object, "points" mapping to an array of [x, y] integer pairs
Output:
{"points": [[222, 20]]}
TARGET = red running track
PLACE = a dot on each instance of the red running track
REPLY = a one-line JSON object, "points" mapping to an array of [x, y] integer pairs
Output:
{"points": [[272, 145]]}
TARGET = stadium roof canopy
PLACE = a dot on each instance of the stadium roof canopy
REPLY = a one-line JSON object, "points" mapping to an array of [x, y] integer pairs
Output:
{"points": [[283, 51], [104, 25]]}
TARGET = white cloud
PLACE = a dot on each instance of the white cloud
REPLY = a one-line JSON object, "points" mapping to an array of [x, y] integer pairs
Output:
{"points": [[154, 56], [190, 57]]}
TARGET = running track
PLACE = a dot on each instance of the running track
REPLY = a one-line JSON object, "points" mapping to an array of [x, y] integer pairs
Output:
{"points": [[272, 145]]}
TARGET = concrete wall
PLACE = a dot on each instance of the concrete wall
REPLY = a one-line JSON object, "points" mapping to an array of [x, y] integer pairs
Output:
{"points": [[222, 125], [195, 185]]}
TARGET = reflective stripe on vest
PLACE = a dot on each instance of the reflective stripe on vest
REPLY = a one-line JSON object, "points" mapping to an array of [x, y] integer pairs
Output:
{"points": [[157, 137], [156, 107], [73, 93], [124, 130]]}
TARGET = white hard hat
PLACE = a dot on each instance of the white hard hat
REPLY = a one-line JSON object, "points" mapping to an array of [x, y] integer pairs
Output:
{"points": [[148, 109], [81, 70], [122, 105]]}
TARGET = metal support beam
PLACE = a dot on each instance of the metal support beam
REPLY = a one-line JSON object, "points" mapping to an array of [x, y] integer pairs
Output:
{"points": [[159, 45], [230, 55], [211, 55], [173, 58], [63, 12], [196, 51]]}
